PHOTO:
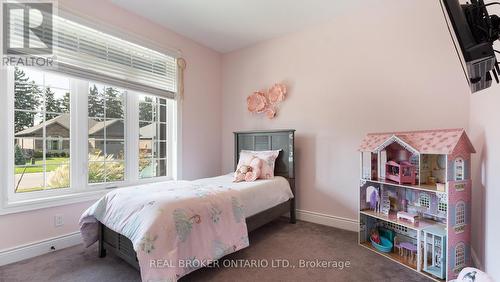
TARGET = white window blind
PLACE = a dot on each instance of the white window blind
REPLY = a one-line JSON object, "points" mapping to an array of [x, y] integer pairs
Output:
{"points": [[84, 50], [88, 53]]}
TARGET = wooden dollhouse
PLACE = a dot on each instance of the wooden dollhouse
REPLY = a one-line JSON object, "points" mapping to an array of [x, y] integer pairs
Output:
{"points": [[416, 186]]}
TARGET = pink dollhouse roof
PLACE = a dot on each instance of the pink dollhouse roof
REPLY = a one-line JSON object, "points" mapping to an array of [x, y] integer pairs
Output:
{"points": [[441, 141]]}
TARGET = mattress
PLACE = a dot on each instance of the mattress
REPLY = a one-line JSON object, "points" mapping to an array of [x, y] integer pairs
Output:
{"points": [[257, 196]]}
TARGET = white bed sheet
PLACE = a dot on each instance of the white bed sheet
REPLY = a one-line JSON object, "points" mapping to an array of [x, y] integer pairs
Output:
{"points": [[257, 196]]}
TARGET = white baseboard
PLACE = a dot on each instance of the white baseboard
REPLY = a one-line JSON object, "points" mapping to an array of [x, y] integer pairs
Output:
{"points": [[328, 220], [475, 260], [39, 248]]}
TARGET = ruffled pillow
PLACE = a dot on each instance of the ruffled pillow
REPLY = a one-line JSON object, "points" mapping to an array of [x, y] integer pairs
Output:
{"points": [[268, 161]]}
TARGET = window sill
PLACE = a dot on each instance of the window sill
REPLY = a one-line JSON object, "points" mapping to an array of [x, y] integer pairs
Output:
{"points": [[49, 202], [70, 198]]}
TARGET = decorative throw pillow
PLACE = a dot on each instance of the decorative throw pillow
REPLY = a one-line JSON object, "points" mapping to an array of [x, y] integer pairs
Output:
{"points": [[268, 161]]}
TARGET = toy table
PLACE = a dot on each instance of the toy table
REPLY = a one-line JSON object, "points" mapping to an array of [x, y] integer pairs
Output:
{"points": [[409, 248]]}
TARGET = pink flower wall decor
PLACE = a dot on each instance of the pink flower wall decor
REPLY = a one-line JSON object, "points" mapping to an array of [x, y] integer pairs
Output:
{"points": [[257, 102], [267, 102]]}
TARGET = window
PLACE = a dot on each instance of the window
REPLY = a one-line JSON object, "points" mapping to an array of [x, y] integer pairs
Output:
{"points": [[105, 116], [460, 214], [55, 144], [459, 255], [442, 206], [41, 131], [106, 131], [395, 227], [442, 202], [152, 136], [425, 200], [62, 126], [459, 169]]}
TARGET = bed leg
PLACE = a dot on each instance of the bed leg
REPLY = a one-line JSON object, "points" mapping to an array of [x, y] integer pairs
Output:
{"points": [[101, 249], [292, 212]]}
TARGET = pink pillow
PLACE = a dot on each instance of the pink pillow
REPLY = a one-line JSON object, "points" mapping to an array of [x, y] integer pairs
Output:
{"points": [[268, 161]]}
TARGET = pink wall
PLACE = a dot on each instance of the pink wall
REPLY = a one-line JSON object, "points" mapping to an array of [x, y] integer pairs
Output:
{"points": [[485, 135], [28, 227], [379, 67], [201, 117]]}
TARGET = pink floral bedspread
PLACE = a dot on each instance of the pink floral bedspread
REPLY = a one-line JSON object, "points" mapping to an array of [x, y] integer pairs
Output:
{"points": [[175, 227]]}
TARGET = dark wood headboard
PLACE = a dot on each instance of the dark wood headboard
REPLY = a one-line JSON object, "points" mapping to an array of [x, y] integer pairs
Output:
{"points": [[285, 164], [269, 140]]}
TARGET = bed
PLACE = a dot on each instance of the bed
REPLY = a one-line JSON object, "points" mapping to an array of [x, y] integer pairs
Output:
{"points": [[264, 200]]}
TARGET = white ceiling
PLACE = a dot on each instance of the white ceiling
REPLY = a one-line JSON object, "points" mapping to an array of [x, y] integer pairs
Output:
{"points": [[228, 25]]}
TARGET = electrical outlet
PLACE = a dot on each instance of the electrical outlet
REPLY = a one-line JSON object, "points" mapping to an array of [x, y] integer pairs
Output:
{"points": [[58, 220]]}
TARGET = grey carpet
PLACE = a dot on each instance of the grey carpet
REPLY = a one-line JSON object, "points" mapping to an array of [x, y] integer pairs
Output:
{"points": [[277, 240]]}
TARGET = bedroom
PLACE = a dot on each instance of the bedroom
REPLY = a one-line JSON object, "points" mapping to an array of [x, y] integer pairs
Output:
{"points": [[347, 68]]}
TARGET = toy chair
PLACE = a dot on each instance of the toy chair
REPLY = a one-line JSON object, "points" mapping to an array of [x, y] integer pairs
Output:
{"points": [[397, 245], [409, 251]]}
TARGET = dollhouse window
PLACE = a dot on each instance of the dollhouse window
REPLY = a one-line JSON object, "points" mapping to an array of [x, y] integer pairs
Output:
{"points": [[442, 202], [425, 200], [460, 214], [459, 169], [397, 227], [459, 255], [442, 206]]}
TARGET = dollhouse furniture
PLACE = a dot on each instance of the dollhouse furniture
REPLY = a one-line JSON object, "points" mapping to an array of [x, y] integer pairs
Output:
{"points": [[402, 173], [441, 187], [397, 245], [434, 244], [413, 218], [385, 245], [431, 180], [386, 240], [409, 250], [374, 198], [440, 242]]}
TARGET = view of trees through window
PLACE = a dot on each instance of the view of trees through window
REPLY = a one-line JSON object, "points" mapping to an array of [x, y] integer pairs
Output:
{"points": [[106, 142], [42, 125], [41, 130]]}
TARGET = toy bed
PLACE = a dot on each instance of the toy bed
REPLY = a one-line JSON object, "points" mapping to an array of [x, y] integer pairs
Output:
{"points": [[264, 200]]}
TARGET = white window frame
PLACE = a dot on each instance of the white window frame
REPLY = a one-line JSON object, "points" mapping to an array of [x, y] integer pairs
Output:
{"points": [[79, 190]]}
